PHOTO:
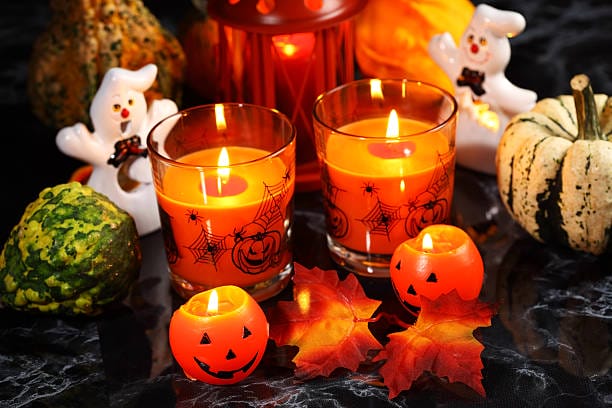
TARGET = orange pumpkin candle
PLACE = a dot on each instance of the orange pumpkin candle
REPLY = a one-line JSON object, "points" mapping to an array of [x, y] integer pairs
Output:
{"points": [[219, 336], [440, 259]]}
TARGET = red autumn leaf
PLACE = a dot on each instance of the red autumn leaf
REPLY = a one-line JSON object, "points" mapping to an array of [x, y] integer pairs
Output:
{"points": [[327, 320], [440, 342]]}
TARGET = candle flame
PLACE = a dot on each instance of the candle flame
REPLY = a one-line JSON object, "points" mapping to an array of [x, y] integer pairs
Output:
{"points": [[376, 89], [223, 160], [289, 49], [213, 303], [223, 170], [220, 117], [427, 244], [393, 125], [284, 45]]}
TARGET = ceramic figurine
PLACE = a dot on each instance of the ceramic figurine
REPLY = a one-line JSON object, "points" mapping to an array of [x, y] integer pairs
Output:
{"points": [[487, 99], [116, 148]]}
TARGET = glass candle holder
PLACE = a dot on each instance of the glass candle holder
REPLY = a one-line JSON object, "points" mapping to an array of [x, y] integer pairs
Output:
{"points": [[386, 150], [224, 177]]}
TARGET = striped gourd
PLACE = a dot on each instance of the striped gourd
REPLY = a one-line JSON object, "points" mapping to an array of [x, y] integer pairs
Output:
{"points": [[554, 169]]}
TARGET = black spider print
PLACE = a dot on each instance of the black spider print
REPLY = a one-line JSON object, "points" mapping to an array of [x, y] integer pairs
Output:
{"points": [[192, 215], [369, 188]]}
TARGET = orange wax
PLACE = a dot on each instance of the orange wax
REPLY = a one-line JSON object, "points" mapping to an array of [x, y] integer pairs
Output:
{"points": [[452, 262], [222, 347], [221, 186], [386, 193], [237, 238]]}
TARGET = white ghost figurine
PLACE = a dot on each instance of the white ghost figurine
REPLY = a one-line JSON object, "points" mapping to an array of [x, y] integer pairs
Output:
{"points": [[487, 99], [116, 149]]}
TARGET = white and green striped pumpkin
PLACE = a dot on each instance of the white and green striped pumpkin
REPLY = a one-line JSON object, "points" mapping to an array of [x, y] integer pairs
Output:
{"points": [[554, 169]]}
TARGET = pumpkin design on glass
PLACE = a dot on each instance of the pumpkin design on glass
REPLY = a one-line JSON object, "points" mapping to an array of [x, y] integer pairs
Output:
{"points": [[442, 258], [219, 336]]}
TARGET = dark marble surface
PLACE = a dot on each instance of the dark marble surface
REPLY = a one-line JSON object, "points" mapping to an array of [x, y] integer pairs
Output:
{"points": [[549, 345]]}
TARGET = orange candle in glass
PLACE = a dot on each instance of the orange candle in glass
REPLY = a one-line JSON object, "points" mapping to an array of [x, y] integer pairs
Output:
{"points": [[219, 336], [224, 178], [440, 259], [388, 173], [228, 206], [387, 155]]}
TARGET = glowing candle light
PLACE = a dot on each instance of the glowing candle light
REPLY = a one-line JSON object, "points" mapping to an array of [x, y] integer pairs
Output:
{"points": [[427, 243], [224, 184], [213, 303]]}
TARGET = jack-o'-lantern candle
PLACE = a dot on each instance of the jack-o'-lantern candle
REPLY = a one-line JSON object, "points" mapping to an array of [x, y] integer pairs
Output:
{"points": [[440, 259], [219, 336]]}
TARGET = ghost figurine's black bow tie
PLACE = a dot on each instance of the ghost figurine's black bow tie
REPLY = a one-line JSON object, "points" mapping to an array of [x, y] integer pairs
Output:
{"points": [[125, 148], [473, 79]]}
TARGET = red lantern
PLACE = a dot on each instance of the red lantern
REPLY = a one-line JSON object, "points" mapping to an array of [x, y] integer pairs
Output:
{"points": [[219, 336], [282, 55], [439, 259]]}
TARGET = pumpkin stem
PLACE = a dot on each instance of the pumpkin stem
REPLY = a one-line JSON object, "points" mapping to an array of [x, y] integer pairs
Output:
{"points": [[586, 110]]}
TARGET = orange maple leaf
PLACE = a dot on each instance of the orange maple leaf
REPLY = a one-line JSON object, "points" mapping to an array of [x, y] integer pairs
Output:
{"points": [[440, 342], [327, 320]]}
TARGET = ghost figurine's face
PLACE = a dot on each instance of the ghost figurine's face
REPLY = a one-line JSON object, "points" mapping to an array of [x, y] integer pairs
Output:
{"points": [[484, 45], [475, 47], [117, 110]]}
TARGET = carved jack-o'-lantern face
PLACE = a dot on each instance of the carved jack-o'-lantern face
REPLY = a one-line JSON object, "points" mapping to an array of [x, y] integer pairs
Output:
{"points": [[450, 261], [221, 347]]}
